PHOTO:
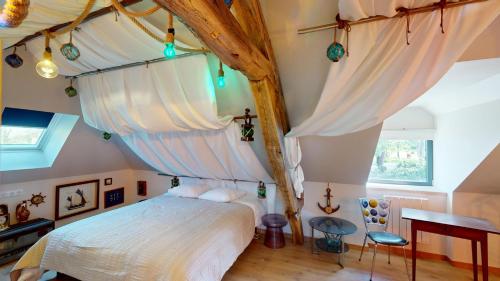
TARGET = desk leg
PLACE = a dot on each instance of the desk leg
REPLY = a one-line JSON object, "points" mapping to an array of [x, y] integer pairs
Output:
{"points": [[413, 251], [484, 256], [474, 258]]}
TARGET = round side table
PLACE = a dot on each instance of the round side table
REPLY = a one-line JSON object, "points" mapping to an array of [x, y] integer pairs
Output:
{"points": [[274, 230], [334, 230]]}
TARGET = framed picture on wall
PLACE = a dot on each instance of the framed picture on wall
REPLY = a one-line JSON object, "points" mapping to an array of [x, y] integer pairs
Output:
{"points": [[108, 181], [76, 198], [114, 197]]}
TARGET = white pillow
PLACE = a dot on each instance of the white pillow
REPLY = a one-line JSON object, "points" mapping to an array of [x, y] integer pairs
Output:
{"points": [[189, 190], [222, 194]]}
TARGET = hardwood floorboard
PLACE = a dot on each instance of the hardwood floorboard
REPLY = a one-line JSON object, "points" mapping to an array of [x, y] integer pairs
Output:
{"points": [[296, 263]]}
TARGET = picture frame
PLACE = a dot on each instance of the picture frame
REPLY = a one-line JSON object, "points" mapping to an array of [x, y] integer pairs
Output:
{"points": [[114, 197], [4, 217], [108, 181], [76, 198], [142, 188]]}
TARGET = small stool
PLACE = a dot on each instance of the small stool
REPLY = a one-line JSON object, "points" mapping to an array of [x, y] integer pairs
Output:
{"points": [[274, 230]]}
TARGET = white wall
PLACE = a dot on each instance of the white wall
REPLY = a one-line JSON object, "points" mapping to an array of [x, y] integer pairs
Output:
{"points": [[463, 139], [126, 178]]}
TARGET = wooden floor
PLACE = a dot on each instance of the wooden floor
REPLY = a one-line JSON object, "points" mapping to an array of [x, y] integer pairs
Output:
{"points": [[296, 263]]}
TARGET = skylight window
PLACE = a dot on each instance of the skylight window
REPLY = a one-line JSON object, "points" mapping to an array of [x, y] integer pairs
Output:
{"points": [[26, 136], [22, 128]]}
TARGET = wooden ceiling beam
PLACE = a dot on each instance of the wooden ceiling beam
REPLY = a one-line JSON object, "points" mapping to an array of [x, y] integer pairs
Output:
{"points": [[93, 15], [214, 24], [244, 45], [271, 109]]}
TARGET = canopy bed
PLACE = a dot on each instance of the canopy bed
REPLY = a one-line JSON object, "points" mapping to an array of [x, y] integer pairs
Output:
{"points": [[163, 238]]}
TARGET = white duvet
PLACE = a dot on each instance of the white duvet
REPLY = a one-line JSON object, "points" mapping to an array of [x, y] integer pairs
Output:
{"points": [[164, 238]]}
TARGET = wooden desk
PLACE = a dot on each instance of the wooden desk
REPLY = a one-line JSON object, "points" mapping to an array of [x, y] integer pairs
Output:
{"points": [[469, 228]]}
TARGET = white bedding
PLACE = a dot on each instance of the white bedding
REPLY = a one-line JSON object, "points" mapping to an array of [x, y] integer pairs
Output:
{"points": [[164, 238]]}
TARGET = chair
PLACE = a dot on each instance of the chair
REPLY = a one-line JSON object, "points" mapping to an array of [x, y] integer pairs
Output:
{"points": [[376, 212]]}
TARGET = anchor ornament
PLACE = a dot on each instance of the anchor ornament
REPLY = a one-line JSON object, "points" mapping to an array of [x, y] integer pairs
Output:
{"points": [[328, 208]]}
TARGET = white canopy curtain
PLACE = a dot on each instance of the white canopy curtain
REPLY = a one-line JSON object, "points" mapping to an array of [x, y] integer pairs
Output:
{"points": [[167, 114], [383, 74], [215, 154], [104, 42], [176, 95]]}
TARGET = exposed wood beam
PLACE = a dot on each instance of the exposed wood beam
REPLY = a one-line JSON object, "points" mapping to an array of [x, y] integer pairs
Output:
{"points": [[93, 15], [214, 24], [270, 104], [263, 92], [250, 17]]}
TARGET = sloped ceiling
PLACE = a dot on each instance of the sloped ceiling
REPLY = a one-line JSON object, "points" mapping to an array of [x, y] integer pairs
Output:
{"points": [[85, 151], [486, 177]]}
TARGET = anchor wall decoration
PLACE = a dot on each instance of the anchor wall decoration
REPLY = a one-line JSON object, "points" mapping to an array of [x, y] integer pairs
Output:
{"points": [[328, 208]]}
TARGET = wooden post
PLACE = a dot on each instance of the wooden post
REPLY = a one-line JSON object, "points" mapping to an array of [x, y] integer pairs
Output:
{"points": [[215, 25], [263, 91]]}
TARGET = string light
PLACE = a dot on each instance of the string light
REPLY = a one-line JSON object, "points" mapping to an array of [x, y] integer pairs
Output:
{"points": [[221, 82], [169, 51], [46, 66]]}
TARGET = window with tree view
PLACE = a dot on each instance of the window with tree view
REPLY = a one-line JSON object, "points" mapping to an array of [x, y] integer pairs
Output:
{"points": [[407, 162]]}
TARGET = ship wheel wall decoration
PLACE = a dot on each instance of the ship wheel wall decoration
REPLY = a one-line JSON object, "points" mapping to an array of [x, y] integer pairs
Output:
{"points": [[328, 209], [37, 199]]}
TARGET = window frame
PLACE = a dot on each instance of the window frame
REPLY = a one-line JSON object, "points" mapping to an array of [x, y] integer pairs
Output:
{"points": [[429, 146]]}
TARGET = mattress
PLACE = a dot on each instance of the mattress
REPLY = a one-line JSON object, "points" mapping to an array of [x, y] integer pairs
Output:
{"points": [[164, 238]]}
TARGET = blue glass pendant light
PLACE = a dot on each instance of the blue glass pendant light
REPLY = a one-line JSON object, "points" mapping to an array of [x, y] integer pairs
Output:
{"points": [[169, 51], [335, 51]]}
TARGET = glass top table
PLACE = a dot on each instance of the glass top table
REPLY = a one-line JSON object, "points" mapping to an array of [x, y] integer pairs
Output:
{"points": [[334, 230]]}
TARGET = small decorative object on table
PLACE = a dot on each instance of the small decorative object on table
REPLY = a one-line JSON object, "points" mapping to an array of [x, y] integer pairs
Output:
{"points": [[108, 181], [334, 230], [114, 197], [4, 217], [76, 198], [37, 199], [142, 188], [328, 209], [274, 230], [261, 190]]}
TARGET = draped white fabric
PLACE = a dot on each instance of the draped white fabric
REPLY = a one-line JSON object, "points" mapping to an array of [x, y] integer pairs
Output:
{"points": [[217, 154], [104, 42], [293, 157], [383, 74], [44, 14], [176, 95]]}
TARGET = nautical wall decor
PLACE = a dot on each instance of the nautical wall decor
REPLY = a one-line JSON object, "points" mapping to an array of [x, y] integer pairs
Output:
{"points": [[76, 198], [247, 128], [22, 212], [328, 209], [37, 199], [114, 197]]}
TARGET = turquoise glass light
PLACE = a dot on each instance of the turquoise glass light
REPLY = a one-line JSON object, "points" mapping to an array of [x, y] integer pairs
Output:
{"points": [[169, 51], [335, 51], [221, 82]]}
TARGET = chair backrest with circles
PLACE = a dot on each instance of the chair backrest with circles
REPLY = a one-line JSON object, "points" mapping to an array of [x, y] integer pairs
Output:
{"points": [[375, 212]]}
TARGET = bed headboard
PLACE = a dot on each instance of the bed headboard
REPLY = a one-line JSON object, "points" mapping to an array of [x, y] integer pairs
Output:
{"points": [[271, 200]]}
